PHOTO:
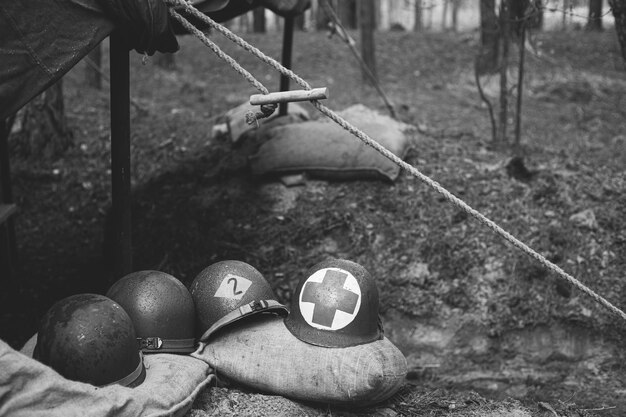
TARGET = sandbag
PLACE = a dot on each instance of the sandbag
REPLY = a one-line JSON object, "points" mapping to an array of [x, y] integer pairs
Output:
{"points": [[29, 388], [262, 354], [323, 149]]}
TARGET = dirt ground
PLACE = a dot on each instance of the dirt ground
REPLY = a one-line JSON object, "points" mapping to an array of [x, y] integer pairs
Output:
{"points": [[470, 312]]}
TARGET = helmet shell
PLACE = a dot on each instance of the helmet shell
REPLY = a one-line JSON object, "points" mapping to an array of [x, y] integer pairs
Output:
{"points": [[90, 338], [161, 309], [335, 305], [228, 291]]}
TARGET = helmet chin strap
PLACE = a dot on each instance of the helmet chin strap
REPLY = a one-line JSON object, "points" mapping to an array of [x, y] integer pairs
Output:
{"points": [[157, 345], [253, 307], [130, 378]]}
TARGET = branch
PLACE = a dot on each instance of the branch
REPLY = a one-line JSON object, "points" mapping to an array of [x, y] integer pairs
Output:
{"points": [[485, 100]]}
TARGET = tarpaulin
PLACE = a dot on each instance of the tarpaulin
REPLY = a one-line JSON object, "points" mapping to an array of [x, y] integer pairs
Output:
{"points": [[40, 40]]}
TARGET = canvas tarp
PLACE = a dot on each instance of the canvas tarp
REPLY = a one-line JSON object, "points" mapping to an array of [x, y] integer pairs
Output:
{"points": [[40, 40]]}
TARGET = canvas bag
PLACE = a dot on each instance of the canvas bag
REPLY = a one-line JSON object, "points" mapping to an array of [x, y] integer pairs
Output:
{"points": [[262, 354], [323, 149], [29, 388]]}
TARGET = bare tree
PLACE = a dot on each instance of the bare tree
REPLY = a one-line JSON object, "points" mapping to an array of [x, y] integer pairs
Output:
{"points": [[347, 11], [503, 61], [455, 15], [93, 72], [619, 12], [258, 20], [419, 25], [487, 62], [367, 24], [594, 18], [44, 129]]}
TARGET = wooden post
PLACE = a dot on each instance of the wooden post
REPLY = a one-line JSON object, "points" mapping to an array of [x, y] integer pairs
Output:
{"points": [[289, 96], [120, 155], [8, 246], [286, 60]]}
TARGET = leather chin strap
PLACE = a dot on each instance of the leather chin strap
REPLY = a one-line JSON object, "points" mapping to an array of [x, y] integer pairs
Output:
{"points": [[257, 306], [156, 345], [130, 378]]}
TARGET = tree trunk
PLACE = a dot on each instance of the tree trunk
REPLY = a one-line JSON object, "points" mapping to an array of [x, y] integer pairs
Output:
{"points": [[258, 20], [517, 12], [321, 18], [444, 14], [299, 22], [166, 61], [419, 26], [346, 10], [520, 89], [44, 131], [93, 71], [455, 14], [594, 19], [567, 4], [536, 19], [367, 23], [504, 66], [619, 12], [487, 62]]}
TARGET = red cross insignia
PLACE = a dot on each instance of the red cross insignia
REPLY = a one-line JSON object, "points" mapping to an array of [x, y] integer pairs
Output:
{"points": [[330, 299]]}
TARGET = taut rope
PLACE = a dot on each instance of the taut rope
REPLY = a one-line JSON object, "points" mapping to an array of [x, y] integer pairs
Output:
{"points": [[369, 141]]}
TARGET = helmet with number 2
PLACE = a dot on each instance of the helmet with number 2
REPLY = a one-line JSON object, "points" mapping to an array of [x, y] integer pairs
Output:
{"points": [[227, 291], [335, 305]]}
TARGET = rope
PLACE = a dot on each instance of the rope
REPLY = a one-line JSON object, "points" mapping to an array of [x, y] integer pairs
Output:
{"points": [[388, 154], [251, 117]]}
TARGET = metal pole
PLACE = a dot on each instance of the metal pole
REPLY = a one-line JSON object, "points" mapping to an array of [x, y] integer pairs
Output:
{"points": [[120, 155], [286, 59]]}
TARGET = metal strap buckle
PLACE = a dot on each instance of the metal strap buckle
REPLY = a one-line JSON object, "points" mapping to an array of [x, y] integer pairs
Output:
{"points": [[151, 343]]}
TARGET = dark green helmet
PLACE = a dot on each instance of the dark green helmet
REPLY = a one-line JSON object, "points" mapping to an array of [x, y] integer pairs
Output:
{"points": [[335, 305], [161, 309], [227, 291], [90, 338]]}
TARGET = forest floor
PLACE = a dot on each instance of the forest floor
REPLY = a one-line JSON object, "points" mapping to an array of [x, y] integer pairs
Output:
{"points": [[470, 312]]}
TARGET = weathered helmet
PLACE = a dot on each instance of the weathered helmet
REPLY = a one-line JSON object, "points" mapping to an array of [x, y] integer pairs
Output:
{"points": [[90, 338], [335, 305], [228, 291], [161, 309]]}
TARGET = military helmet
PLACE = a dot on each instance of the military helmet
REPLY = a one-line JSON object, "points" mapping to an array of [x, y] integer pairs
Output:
{"points": [[161, 309], [335, 305], [90, 338], [227, 291]]}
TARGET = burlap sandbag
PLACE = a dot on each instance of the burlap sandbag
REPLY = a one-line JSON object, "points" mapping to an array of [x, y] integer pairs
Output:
{"points": [[262, 354], [323, 149], [29, 388]]}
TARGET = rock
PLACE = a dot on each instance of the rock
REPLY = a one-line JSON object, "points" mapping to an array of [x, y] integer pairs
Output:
{"points": [[585, 219]]}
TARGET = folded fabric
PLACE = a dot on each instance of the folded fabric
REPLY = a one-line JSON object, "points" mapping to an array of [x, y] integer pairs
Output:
{"points": [[262, 354], [29, 388]]}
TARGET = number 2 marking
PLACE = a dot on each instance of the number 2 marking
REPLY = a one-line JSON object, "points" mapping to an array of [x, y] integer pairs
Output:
{"points": [[234, 281], [233, 287]]}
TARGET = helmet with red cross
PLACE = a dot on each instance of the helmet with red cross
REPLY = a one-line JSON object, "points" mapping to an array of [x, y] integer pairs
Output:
{"points": [[228, 291], [90, 338], [335, 305], [161, 309]]}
